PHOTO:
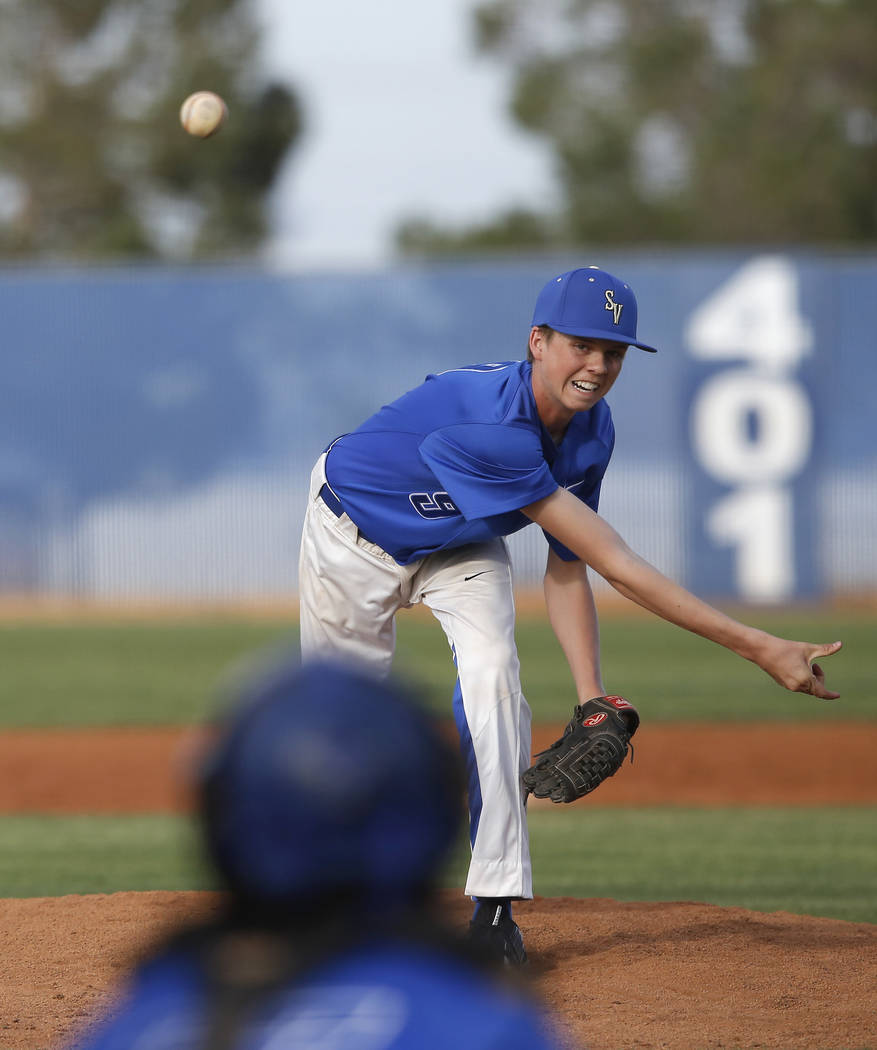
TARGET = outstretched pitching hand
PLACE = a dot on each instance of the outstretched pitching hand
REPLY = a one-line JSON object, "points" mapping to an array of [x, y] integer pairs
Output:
{"points": [[792, 665]]}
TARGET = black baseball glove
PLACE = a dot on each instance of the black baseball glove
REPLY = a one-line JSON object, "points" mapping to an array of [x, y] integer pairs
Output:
{"points": [[592, 748]]}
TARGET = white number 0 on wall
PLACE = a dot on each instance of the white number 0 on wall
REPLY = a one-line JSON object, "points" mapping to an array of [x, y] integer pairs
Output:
{"points": [[752, 423]]}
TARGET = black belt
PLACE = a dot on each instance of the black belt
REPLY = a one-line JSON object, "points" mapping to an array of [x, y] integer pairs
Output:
{"points": [[331, 501], [334, 504]]}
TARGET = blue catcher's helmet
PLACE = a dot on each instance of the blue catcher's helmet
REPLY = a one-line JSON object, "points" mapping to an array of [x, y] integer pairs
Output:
{"points": [[326, 780]]}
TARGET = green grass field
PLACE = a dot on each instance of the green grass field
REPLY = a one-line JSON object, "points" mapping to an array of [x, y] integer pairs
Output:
{"points": [[820, 861], [167, 673]]}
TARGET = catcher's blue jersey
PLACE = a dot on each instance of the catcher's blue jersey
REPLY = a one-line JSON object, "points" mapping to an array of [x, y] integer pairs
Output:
{"points": [[453, 461], [378, 998]]}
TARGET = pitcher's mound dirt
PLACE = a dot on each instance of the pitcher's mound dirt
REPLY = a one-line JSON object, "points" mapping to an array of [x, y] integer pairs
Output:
{"points": [[671, 976]]}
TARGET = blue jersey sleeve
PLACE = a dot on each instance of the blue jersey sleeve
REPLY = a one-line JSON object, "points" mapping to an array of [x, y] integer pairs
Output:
{"points": [[488, 469]]}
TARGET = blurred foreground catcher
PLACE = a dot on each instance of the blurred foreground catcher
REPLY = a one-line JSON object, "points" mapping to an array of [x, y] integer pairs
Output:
{"points": [[328, 804]]}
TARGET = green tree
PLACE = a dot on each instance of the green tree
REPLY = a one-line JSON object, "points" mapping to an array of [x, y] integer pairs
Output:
{"points": [[93, 161], [719, 121]]}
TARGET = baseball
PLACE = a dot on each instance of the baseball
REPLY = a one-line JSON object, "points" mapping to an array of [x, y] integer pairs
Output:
{"points": [[203, 114]]}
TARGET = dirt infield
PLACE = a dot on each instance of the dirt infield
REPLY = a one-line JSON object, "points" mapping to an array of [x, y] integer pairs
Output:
{"points": [[680, 976], [139, 770]]}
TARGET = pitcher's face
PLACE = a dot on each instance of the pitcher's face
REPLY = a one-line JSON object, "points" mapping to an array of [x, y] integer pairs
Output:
{"points": [[571, 373]]}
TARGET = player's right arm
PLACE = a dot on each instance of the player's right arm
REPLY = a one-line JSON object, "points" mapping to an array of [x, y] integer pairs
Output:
{"points": [[573, 618], [595, 541]]}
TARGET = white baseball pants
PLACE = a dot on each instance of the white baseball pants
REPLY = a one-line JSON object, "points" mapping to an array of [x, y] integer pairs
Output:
{"points": [[350, 592]]}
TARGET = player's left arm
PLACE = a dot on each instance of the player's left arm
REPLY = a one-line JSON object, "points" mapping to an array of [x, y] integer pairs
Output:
{"points": [[577, 527], [573, 618]]}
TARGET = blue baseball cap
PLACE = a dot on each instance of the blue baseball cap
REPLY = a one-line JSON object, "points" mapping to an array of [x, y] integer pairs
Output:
{"points": [[590, 302]]}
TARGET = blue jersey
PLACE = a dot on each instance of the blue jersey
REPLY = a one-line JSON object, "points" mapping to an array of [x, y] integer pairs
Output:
{"points": [[379, 998], [453, 461]]}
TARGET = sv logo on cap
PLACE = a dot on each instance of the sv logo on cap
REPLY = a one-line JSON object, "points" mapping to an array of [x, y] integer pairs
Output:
{"points": [[616, 308]]}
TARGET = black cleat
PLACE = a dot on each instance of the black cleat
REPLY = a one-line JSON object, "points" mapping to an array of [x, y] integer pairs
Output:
{"points": [[496, 935]]}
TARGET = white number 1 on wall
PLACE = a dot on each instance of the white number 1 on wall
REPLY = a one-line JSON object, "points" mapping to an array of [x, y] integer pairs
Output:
{"points": [[752, 423]]}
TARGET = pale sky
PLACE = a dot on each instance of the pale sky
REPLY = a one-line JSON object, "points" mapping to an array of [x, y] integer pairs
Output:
{"points": [[402, 116]]}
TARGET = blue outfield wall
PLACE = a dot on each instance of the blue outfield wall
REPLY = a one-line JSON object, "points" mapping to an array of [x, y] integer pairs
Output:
{"points": [[158, 425]]}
